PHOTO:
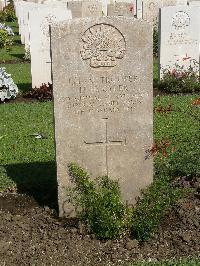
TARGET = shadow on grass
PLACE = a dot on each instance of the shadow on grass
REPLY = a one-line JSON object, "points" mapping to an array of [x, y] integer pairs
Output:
{"points": [[37, 180], [19, 56], [24, 87]]}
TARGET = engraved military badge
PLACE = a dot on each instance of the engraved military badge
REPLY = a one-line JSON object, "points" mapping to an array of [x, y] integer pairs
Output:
{"points": [[181, 20], [103, 45]]}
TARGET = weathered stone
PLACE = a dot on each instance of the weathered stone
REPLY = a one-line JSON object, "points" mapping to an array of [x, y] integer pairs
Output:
{"points": [[151, 8], [81, 9], [102, 79], [122, 9]]}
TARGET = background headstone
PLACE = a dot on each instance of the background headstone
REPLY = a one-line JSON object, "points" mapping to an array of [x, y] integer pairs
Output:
{"points": [[151, 8], [139, 9], [25, 21], [179, 37], [194, 3], [102, 79], [122, 9], [81, 9], [39, 21]]}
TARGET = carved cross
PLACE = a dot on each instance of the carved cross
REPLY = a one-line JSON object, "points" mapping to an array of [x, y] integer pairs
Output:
{"points": [[107, 142]]}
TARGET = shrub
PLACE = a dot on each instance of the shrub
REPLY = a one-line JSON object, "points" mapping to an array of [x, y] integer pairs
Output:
{"points": [[5, 40], [181, 80], [99, 204], [43, 93], [8, 89], [163, 193], [8, 13], [152, 207], [155, 42]]}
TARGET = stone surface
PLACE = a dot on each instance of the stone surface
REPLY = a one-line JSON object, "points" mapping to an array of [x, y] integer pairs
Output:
{"points": [[39, 21], [139, 9], [179, 38], [122, 9], [25, 21], [151, 8], [194, 3], [2, 4], [81, 9], [19, 13], [102, 80]]}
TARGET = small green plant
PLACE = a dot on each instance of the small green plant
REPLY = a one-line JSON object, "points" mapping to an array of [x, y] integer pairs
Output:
{"points": [[8, 13], [155, 42], [27, 55], [5, 39], [181, 80], [151, 208], [99, 204]]}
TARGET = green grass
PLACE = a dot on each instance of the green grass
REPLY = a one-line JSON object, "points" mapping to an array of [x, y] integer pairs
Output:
{"points": [[28, 163], [155, 71], [181, 262], [179, 128], [16, 52], [21, 74], [20, 70]]}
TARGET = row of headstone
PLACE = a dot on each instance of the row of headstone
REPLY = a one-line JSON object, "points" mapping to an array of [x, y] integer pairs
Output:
{"points": [[151, 8], [102, 86], [179, 36], [34, 20], [102, 83]]}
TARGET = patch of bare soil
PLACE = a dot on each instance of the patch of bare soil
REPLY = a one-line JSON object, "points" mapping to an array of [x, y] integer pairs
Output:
{"points": [[32, 235], [20, 99]]}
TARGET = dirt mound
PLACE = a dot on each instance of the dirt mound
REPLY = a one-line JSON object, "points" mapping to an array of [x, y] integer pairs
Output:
{"points": [[32, 235]]}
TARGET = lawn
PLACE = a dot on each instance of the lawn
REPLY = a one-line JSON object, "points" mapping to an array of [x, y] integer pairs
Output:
{"points": [[29, 162], [13, 61], [21, 74], [16, 52], [182, 262], [25, 160]]}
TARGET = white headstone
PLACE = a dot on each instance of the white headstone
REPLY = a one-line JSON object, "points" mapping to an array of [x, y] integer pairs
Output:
{"points": [[194, 3], [179, 37], [151, 8], [19, 13], [139, 9], [25, 21], [39, 21], [2, 4]]}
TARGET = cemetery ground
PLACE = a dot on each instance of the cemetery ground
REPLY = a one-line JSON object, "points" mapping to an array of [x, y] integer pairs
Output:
{"points": [[31, 233]]}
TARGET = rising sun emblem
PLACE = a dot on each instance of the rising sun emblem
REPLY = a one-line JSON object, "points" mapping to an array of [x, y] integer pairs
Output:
{"points": [[102, 46]]}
